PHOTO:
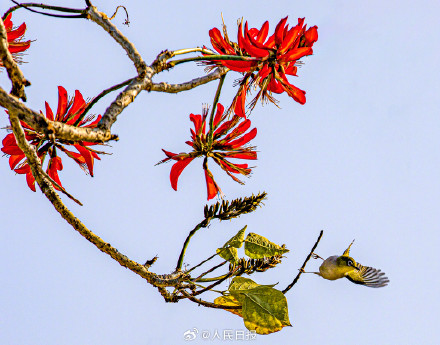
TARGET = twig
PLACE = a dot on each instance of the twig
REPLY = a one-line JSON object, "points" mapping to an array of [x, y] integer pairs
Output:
{"points": [[192, 50], [127, 20], [27, 6], [175, 88], [215, 283], [207, 304], [304, 264], [200, 264], [209, 271]]}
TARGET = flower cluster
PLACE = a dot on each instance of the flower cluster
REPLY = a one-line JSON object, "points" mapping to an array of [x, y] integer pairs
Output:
{"points": [[273, 58], [223, 140], [71, 112], [15, 39]]}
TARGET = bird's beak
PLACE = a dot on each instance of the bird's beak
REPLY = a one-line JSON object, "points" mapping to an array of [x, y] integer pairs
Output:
{"points": [[357, 268]]}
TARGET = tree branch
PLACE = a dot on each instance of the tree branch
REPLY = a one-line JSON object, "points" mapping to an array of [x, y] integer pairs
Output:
{"points": [[27, 6], [175, 88], [304, 264], [58, 129], [207, 304], [102, 20], [49, 191]]}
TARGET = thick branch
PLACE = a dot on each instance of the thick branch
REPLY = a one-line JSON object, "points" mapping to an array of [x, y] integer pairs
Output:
{"points": [[102, 20], [122, 101], [60, 130], [15, 75], [47, 188]]}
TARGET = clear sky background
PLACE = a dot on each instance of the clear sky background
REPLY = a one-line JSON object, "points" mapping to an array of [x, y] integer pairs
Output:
{"points": [[359, 160]]}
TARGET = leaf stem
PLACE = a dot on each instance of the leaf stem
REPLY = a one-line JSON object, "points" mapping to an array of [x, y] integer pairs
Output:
{"points": [[202, 224], [214, 106]]}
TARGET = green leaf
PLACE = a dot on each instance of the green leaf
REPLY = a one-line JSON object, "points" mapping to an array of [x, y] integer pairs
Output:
{"points": [[229, 301], [264, 309], [258, 247], [229, 254], [229, 251], [237, 240]]}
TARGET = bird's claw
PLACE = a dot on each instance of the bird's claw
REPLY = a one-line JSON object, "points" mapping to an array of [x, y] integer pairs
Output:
{"points": [[316, 256]]}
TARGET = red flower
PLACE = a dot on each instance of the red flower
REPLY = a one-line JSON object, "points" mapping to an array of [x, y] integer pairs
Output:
{"points": [[70, 112], [15, 39], [276, 56], [226, 140]]}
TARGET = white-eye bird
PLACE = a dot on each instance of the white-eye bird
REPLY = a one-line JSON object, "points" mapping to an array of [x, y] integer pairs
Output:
{"points": [[336, 267]]}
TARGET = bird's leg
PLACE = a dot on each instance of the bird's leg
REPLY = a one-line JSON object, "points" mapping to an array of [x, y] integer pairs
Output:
{"points": [[316, 256], [302, 271]]}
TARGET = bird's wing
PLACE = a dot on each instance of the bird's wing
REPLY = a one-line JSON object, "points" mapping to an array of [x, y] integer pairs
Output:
{"points": [[368, 276]]}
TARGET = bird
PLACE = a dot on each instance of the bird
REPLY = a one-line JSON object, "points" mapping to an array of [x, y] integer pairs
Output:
{"points": [[336, 267]]}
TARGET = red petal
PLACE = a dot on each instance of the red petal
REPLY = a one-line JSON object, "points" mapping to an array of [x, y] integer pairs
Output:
{"points": [[14, 34], [291, 69], [294, 92], [30, 181], [275, 86], [211, 186], [8, 22], [12, 150], [239, 66], [218, 114], [279, 31], [49, 113], [87, 157], [264, 72], [239, 130], [169, 154], [289, 41], [91, 124], [197, 120], [9, 140], [296, 54], [62, 103], [243, 140], [249, 45], [177, 169], [241, 155], [55, 164], [14, 160], [225, 127], [262, 35], [18, 47], [240, 103], [311, 36], [218, 42]]}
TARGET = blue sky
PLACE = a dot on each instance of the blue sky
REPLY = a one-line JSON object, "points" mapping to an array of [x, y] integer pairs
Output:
{"points": [[359, 160]]}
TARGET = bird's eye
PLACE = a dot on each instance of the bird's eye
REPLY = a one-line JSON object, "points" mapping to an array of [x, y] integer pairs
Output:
{"points": [[350, 263]]}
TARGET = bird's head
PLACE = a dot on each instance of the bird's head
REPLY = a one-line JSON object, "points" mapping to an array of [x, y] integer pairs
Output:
{"points": [[346, 263]]}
